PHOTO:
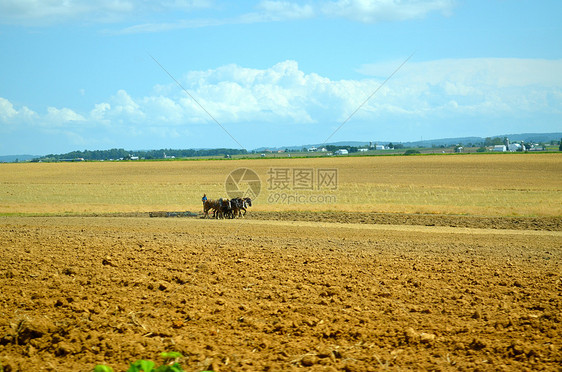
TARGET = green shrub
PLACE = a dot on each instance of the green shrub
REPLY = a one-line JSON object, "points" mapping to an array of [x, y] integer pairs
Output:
{"points": [[412, 152]]}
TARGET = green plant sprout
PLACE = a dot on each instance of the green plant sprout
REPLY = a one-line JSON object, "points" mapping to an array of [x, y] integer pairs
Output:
{"points": [[170, 364]]}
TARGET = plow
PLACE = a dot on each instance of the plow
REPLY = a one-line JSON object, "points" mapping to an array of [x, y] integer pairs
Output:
{"points": [[173, 214]]}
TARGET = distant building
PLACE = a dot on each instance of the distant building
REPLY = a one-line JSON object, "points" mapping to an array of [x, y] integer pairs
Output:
{"points": [[362, 150], [514, 147], [499, 148], [341, 152], [312, 149], [380, 147]]}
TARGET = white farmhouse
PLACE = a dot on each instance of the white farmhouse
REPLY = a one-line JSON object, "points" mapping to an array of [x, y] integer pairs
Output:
{"points": [[499, 148], [341, 152]]}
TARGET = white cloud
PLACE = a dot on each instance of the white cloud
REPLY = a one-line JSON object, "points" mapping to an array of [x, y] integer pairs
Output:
{"points": [[39, 12], [16, 11], [284, 94], [234, 93], [125, 104], [44, 13], [99, 111], [178, 25], [265, 11], [58, 117], [370, 11], [7, 110], [490, 86], [163, 110], [11, 115], [367, 11], [501, 72], [281, 10]]}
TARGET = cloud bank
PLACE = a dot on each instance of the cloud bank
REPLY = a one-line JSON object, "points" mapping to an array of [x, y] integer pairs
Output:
{"points": [[43, 13], [283, 96], [384, 10]]}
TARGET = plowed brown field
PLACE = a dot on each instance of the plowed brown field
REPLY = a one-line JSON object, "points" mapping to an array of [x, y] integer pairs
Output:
{"points": [[278, 294], [412, 263]]}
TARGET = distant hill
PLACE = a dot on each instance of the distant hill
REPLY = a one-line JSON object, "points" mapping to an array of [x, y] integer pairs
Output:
{"points": [[14, 158], [534, 137], [299, 147], [446, 141], [526, 137]]}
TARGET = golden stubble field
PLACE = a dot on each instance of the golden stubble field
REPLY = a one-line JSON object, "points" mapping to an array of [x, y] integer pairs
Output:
{"points": [[496, 184], [364, 284]]}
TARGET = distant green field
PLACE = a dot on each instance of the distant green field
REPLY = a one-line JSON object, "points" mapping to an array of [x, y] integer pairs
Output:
{"points": [[483, 184]]}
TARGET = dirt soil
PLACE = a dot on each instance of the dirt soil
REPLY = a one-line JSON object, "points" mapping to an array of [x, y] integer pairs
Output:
{"points": [[281, 292], [546, 223], [479, 222]]}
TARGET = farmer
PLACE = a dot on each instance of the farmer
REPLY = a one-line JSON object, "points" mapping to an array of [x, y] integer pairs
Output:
{"points": [[204, 199]]}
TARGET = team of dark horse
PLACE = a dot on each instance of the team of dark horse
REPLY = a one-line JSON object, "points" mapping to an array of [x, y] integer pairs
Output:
{"points": [[226, 208]]}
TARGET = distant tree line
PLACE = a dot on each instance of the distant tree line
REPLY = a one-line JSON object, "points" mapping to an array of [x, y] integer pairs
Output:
{"points": [[350, 149], [121, 154], [189, 153]]}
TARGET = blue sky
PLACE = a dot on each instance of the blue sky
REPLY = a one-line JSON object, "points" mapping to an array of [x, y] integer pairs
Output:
{"points": [[78, 74]]}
